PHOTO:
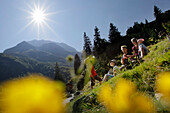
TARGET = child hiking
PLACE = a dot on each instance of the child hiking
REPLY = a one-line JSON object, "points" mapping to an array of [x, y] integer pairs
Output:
{"points": [[112, 72]]}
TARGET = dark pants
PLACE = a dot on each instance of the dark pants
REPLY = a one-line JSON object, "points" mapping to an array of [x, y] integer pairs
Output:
{"points": [[95, 78]]}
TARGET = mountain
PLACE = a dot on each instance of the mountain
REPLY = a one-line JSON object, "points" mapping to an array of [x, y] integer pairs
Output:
{"points": [[39, 43], [42, 50], [36, 56]]}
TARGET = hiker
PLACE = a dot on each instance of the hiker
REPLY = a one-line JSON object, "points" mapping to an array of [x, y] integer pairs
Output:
{"points": [[90, 68], [112, 72], [135, 57], [142, 48], [124, 58], [93, 77], [134, 48]]}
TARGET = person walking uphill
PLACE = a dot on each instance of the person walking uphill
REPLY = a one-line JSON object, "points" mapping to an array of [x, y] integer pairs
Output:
{"points": [[93, 77], [91, 71]]}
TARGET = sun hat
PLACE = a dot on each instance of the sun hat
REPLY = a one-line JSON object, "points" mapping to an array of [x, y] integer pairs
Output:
{"points": [[140, 40], [123, 46]]}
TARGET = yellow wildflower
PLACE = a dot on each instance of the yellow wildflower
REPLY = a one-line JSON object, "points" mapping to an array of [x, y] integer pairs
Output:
{"points": [[142, 104], [124, 98], [32, 94], [163, 87], [163, 84]]}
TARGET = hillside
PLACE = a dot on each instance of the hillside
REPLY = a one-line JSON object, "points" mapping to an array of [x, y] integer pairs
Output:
{"points": [[143, 76], [17, 66], [12, 67]]}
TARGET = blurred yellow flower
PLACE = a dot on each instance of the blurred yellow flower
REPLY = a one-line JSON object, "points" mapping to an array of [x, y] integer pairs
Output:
{"points": [[142, 104], [32, 94], [69, 58], [163, 84], [163, 87], [124, 98], [90, 59]]}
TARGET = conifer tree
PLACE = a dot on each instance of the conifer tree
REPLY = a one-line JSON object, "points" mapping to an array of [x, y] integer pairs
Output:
{"points": [[97, 41], [57, 74], [114, 34], [87, 45], [146, 21], [77, 64], [99, 44], [157, 12], [158, 15], [97, 38]]}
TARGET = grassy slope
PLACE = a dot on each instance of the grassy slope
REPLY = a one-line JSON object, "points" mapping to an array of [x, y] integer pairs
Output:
{"points": [[144, 76]]}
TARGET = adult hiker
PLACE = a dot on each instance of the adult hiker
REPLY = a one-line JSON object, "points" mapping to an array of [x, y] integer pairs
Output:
{"points": [[112, 72], [124, 58], [134, 48], [91, 71], [142, 48], [135, 57]]}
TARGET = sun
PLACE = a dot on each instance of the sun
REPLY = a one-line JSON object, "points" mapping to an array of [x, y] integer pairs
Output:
{"points": [[38, 16]]}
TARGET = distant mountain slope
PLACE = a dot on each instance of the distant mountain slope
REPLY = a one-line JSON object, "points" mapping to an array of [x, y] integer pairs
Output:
{"points": [[66, 47], [43, 56], [16, 66], [39, 43], [19, 48], [12, 67], [54, 49]]}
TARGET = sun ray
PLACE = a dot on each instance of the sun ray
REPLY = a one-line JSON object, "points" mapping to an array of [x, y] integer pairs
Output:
{"points": [[49, 20], [49, 28], [53, 13], [27, 25]]}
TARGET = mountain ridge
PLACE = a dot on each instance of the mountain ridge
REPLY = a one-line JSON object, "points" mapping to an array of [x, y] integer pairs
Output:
{"points": [[39, 43], [42, 50], [26, 57]]}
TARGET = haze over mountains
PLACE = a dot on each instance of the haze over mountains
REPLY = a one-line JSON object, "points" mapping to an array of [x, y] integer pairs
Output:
{"points": [[38, 43], [44, 47], [36, 56]]}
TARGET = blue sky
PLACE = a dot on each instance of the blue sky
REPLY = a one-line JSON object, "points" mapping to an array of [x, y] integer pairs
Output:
{"points": [[73, 18]]}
